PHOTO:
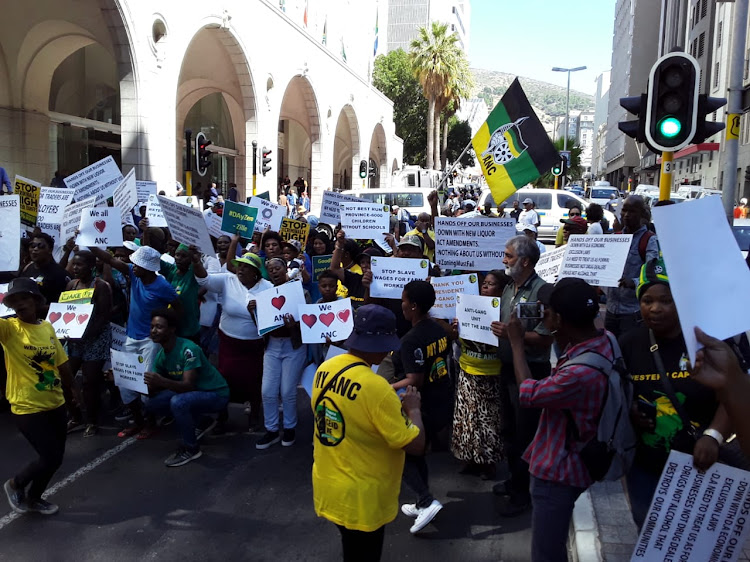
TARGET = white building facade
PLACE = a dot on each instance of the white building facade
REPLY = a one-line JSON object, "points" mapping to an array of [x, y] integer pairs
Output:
{"points": [[84, 79], [405, 17]]}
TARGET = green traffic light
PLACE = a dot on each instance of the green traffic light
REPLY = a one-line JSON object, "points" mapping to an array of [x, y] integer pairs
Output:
{"points": [[669, 127]]}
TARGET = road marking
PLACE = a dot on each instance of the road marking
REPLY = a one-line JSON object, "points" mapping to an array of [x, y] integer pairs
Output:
{"points": [[6, 520]]}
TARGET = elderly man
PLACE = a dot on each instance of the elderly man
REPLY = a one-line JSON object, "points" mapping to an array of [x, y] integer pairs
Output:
{"points": [[519, 424], [623, 309], [528, 215]]}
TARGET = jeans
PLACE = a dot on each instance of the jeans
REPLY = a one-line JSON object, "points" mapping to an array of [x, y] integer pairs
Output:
{"points": [[186, 407], [362, 546], [147, 349], [552, 508], [282, 369], [46, 432], [641, 485], [416, 477]]}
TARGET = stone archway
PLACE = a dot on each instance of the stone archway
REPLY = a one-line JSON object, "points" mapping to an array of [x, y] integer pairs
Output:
{"points": [[346, 150], [379, 153]]}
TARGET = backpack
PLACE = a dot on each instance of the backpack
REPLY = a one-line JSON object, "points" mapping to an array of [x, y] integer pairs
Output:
{"points": [[610, 453], [643, 244]]}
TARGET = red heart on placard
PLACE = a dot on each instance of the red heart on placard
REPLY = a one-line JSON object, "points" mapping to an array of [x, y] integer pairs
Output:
{"points": [[54, 317], [309, 319], [327, 318], [100, 225], [68, 316], [344, 315], [82, 318], [278, 302], [2, 297]]}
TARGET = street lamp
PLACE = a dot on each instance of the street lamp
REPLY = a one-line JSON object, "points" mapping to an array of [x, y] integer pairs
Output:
{"points": [[567, 103]]}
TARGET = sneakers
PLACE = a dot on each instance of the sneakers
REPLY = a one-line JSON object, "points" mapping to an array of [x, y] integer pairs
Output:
{"points": [[205, 425], [270, 438], [425, 515], [16, 498], [124, 414], [288, 439], [91, 430], [182, 456], [43, 507], [74, 425], [410, 510]]}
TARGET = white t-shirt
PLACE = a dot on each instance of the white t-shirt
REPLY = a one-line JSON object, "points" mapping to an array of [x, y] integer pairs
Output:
{"points": [[528, 217], [542, 247], [208, 308], [595, 228]]}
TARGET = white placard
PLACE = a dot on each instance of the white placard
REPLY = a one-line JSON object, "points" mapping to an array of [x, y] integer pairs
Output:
{"points": [[475, 314], [548, 266], [128, 369], [330, 213], [144, 188], [365, 221], [4, 310], [125, 196], [333, 320], [446, 291], [389, 275], [274, 303], [69, 320], [154, 213], [213, 223], [269, 214], [119, 334], [100, 227], [597, 259], [186, 224], [697, 233], [189, 200], [476, 244], [10, 232], [72, 217], [98, 180], [696, 516], [52, 204]]}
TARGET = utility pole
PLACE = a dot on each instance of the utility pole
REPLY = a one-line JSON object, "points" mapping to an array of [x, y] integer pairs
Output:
{"points": [[567, 106], [189, 161], [255, 166]]}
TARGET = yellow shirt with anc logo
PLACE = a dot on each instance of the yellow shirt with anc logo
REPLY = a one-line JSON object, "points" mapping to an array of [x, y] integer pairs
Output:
{"points": [[428, 252], [360, 430], [342, 292], [32, 357]]}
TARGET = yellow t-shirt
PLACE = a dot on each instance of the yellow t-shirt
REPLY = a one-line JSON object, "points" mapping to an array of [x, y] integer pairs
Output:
{"points": [[360, 430], [32, 357], [342, 292], [429, 253]]}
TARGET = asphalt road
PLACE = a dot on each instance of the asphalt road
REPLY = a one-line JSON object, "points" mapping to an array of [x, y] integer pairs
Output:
{"points": [[119, 502]]}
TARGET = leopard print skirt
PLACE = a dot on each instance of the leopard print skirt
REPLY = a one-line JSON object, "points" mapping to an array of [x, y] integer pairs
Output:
{"points": [[476, 419]]}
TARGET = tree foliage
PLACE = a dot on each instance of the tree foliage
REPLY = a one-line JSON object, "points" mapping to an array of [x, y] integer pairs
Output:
{"points": [[574, 172], [458, 137]]}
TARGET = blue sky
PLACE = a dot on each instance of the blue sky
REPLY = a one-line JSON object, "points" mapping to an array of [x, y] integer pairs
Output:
{"points": [[529, 37]]}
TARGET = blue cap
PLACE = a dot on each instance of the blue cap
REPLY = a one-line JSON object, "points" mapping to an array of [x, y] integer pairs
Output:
{"points": [[374, 330]]}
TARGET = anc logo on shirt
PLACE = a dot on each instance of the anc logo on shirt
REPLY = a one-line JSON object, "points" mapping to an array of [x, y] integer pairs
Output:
{"points": [[188, 355], [330, 427]]}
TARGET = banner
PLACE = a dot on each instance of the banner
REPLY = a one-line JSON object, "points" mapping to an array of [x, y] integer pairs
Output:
{"points": [[475, 314], [100, 227], [332, 320], [365, 221], [238, 218], [128, 370], [320, 264], [274, 303], [476, 244], [187, 225], [79, 296], [125, 196], [154, 213], [213, 222], [98, 180], [144, 188], [269, 214], [52, 203], [548, 266], [69, 320], [389, 275], [330, 212], [72, 217], [28, 191], [446, 291], [294, 230], [598, 260], [10, 233]]}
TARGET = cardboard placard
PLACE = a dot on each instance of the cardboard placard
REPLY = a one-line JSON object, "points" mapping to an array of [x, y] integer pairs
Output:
{"points": [[239, 218], [330, 213], [144, 188], [364, 220], [476, 244], [213, 222], [333, 320], [4, 310], [274, 303], [320, 264], [79, 296], [72, 217], [119, 334], [269, 214], [294, 230], [98, 180], [446, 291], [548, 266], [389, 275], [128, 369], [10, 233], [69, 320], [100, 227], [52, 203], [597, 259], [125, 196], [154, 213], [186, 224], [28, 191], [475, 314]]}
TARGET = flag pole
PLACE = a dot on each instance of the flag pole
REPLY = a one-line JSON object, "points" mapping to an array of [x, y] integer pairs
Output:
{"points": [[441, 192]]}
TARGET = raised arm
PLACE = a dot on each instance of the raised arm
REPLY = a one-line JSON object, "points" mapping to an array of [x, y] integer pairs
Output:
{"points": [[110, 260]]}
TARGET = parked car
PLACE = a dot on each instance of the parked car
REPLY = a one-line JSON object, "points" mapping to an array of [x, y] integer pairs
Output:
{"points": [[741, 231], [601, 194], [412, 199]]}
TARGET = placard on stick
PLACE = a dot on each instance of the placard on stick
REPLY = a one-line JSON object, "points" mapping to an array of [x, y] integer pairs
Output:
{"points": [[475, 314], [476, 244], [69, 320]]}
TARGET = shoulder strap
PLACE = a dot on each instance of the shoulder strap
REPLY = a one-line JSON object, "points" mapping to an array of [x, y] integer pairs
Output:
{"points": [[335, 378], [643, 244]]}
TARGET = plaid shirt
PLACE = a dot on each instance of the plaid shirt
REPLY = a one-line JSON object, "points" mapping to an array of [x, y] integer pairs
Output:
{"points": [[579, 389]]}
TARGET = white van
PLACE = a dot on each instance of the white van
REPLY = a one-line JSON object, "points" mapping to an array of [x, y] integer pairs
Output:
{"points": [[601, 195], [412, 199]]}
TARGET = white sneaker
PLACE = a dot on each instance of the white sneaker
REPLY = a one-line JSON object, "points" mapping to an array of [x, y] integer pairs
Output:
{"points": [[426, 514], [410, 510]]}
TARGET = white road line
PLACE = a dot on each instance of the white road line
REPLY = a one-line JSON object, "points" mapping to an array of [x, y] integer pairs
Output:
{"points": [[6, 520]]}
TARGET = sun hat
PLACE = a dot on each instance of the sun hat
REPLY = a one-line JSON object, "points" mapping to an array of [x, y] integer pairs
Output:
{"points": [[22, 285], [132, 246], [374, 330], [250, 259], [653, 272], [411, 240], [146, 258]]}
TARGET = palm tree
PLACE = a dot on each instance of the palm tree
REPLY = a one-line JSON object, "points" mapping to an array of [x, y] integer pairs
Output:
{"points": [[434, 57], [460, 87], [574, 172]]}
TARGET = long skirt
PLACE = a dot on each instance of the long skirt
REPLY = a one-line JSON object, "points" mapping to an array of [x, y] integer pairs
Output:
{"points": [[477, 419], [241, 365]]}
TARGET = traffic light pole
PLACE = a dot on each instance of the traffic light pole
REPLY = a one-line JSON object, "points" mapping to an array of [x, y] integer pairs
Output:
{"points": [[255, 166], [189, 161], [556, 184], [665, 179], [734, 109]]}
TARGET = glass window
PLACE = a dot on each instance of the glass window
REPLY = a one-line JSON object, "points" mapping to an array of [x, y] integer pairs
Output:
{"points": [[210, 115], [408, 199]]}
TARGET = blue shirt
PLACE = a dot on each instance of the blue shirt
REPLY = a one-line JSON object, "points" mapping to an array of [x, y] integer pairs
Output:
{"points": [[144, 299], [5, 180]]}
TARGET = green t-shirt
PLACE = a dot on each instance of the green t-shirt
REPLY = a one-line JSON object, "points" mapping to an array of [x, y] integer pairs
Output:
{"points": [[186, 356], [187, 289]]}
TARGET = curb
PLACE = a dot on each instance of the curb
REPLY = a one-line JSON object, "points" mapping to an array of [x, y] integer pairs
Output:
{"points": [[584, 534]]}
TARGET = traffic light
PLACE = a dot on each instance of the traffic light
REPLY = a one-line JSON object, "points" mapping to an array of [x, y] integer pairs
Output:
{"points": [[704, 127], [363, 169], [202, 154], [637, 106], [557, 169], [747, 174], [265, 161], [373, 169], [672, 102]]}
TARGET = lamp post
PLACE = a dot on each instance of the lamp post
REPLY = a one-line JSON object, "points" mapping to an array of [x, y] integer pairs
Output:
{"points": [[567, 104]]}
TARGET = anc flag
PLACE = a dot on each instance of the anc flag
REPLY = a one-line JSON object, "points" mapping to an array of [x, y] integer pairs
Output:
{"points": [[512, 146]]}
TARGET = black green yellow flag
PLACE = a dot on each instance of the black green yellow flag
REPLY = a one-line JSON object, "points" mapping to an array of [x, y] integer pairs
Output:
{"points": [[512, 146]]}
